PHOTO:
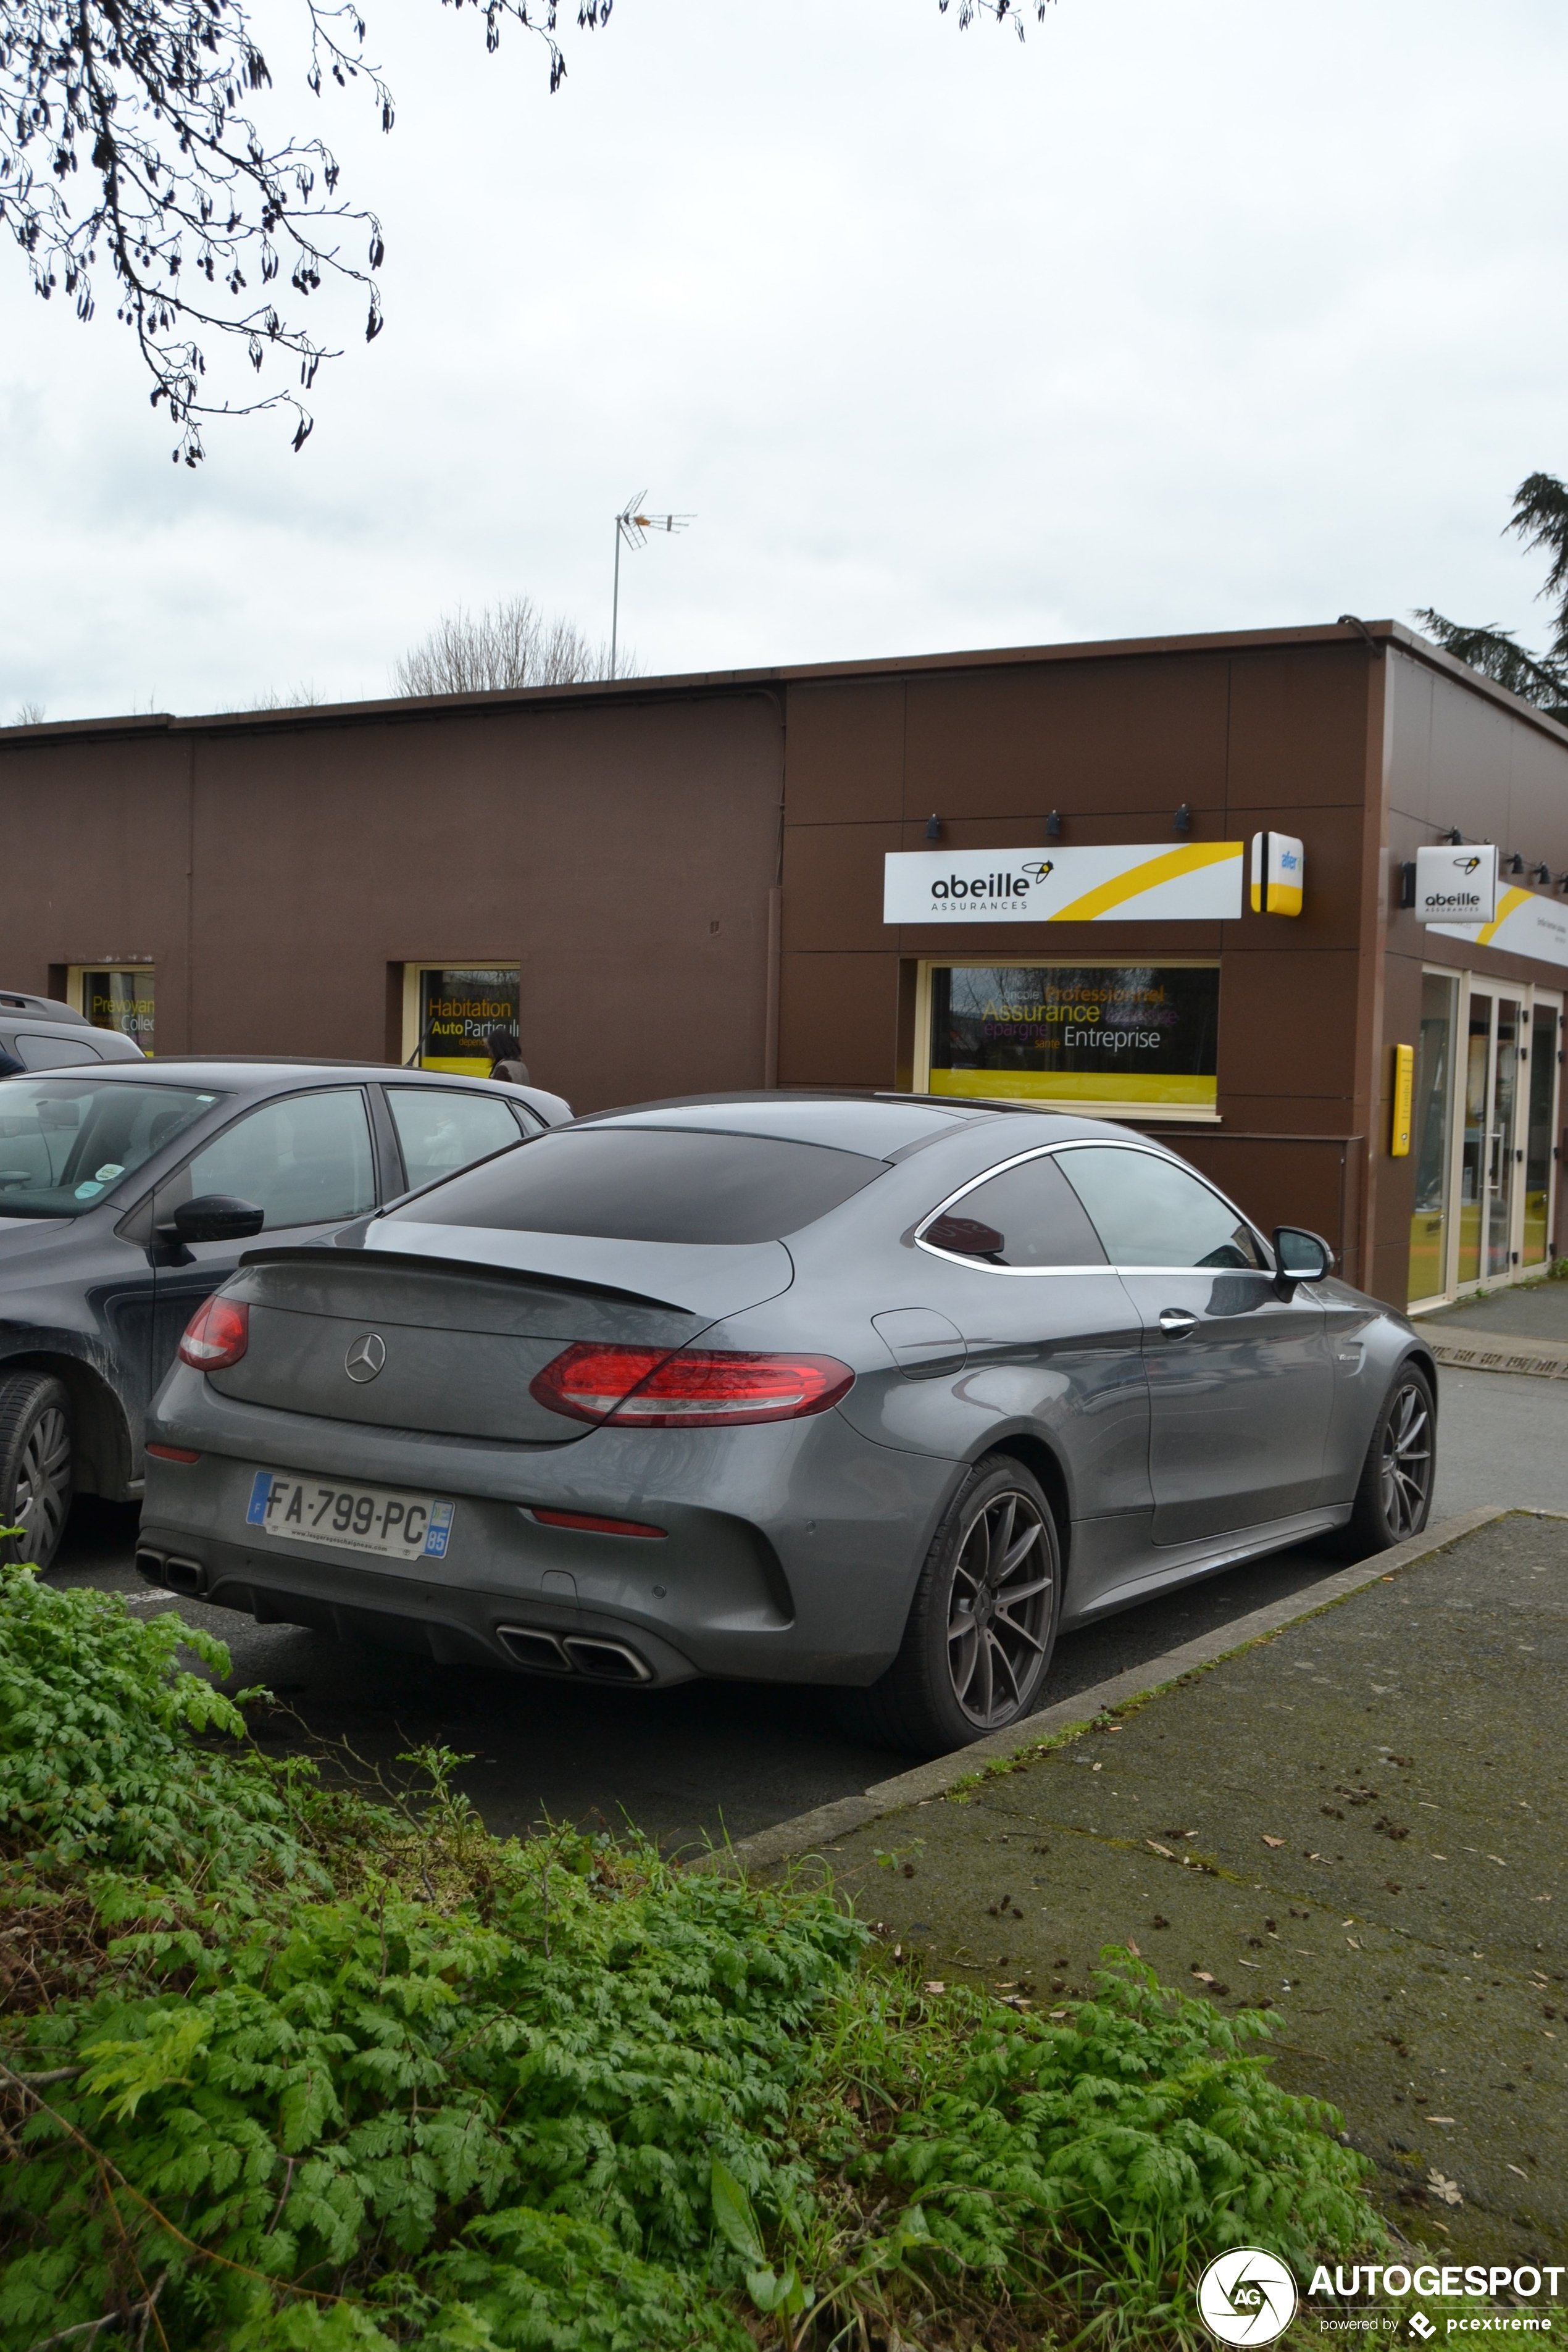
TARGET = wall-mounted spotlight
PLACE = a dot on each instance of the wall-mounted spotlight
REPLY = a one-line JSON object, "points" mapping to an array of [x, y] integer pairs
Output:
{"points": [[1054, 825], [1543, 877], [1516, 863], [1183, 820], [933, 826], [1454, 837]]}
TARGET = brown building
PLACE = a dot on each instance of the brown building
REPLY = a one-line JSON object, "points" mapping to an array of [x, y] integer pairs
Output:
{"points": [[677, 884]]}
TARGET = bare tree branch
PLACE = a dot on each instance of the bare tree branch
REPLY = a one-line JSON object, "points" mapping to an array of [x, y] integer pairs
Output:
{"points": [[508, 645], [126, 140]]}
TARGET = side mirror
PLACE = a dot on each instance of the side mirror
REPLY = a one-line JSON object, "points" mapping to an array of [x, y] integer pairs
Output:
{"points": [[1299, 1257], [217, 1217]]}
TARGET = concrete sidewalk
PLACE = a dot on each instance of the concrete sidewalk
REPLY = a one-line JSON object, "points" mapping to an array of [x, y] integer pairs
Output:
{"points": [[1522, 1330], [1359, 1823]]}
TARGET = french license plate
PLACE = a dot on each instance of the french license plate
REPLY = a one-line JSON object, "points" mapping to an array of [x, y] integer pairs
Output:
{"points": [[350, 1518]]}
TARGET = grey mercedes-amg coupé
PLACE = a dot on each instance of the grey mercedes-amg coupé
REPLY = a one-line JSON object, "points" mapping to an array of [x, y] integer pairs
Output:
{"points": [[879, 1392]]}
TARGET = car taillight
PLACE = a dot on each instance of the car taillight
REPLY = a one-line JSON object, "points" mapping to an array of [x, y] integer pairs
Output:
{"points": [[694, 1388], [217, 1334]]}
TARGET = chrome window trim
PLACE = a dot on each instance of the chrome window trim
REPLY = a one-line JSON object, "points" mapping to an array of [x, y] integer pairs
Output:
{"points": [[1053, 1151]]}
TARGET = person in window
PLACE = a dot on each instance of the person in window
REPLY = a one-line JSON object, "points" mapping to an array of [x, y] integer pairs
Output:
{"points": [[505, 1060]]}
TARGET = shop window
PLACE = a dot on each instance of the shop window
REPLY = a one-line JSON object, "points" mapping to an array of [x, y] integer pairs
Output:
{"points": [[448, 1011], [116, 996], [1092, 1037], [1431, 1135], [1541, 1123]]}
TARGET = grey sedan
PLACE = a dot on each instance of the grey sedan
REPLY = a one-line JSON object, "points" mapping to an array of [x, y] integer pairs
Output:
{"points": [[127, 1191], [879, 1393]]}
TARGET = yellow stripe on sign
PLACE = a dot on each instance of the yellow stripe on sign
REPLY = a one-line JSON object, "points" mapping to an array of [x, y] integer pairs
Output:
{"points": [[1511, 900], [1190, 858]]}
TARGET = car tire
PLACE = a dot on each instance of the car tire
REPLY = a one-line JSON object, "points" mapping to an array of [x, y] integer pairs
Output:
{"points": [[952, 1683], [1394, 1495], [35, 1466]]}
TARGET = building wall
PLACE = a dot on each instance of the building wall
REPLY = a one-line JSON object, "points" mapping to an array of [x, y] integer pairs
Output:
{"points": [[622, 845], [1276, 737], [1453, 759], [279, 875]]}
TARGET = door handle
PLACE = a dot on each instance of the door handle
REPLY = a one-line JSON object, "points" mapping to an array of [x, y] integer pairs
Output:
{"points": [[1176, 1323]]}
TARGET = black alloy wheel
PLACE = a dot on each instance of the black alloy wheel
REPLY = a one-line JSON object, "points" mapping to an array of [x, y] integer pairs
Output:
{"points": [[35, 1467], [1395, 1492], [982, 1624]]}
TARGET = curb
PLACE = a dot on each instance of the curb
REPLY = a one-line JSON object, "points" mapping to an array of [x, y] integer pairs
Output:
{"points": [[1542, 1360], [786, 1840]]}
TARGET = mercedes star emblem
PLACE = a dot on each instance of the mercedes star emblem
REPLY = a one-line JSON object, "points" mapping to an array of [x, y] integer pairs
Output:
{"points": [[365, 1357]]}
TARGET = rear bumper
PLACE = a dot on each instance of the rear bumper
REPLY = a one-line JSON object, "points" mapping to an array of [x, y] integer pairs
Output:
{"points": [[791, 1552], [448, 1623]]}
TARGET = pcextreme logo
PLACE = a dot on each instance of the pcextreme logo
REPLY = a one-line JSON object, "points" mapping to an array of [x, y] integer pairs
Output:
{"points": [[1247, 2296]]}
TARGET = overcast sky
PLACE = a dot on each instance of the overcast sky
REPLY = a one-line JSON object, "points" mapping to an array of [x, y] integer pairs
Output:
{"points": [[1183, 315]]}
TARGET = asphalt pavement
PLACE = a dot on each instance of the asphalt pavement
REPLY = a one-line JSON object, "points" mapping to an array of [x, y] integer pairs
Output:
{"points": [[711, 1760]]}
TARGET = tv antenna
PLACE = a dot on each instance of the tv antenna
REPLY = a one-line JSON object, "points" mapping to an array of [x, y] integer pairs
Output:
{"points": [[632, 528]]}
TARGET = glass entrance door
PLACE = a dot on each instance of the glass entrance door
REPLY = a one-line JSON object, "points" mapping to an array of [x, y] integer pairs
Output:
{"points": [[1541, 1090], [1503, 1153], [1473, 1156]]}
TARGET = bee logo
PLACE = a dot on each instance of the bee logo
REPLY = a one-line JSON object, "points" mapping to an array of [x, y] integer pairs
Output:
{"points": [[1039, 870], [1468, 865]]}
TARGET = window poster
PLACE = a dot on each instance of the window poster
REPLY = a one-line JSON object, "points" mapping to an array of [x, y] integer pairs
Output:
{"points": [[122, 1001], [459, 1004], [1077, 1035]]}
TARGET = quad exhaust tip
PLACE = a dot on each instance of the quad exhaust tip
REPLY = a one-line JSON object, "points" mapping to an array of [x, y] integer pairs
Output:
{"points": [[187, 1576], [580, 1654]]}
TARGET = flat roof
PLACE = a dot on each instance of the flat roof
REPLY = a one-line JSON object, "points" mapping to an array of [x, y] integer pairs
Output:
{"points": [[404, 708]]}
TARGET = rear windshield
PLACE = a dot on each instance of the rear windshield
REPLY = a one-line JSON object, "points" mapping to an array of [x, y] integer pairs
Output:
{"points": [[66, 1142], [649, 1185]]}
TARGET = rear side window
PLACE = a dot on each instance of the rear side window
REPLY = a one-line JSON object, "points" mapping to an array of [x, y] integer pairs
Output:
{"points": [[1148, 1211], [57, 1053], [1027, 1216], [440, 1130], [650, 1184]]}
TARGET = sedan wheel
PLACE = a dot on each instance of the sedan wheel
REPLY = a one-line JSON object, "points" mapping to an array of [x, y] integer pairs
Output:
{"points": [[1395, 1491], [982, 1624], [35, 1467], [999, 1607]]}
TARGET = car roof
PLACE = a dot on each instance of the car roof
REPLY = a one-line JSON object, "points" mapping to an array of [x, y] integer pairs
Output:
{"points": [[880, 1125], [268, 1073], [15, 1005]]}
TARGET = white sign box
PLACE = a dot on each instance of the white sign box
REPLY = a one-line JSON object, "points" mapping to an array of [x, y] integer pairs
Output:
{"points": [[1154, 882], [1457, 886]]}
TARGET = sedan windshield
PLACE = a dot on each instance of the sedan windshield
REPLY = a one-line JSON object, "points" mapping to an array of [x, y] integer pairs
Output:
{"points": [[66, 1141], [649, 1185]]}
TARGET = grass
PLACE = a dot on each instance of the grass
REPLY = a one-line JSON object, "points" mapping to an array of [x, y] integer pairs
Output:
{"points": [[294, 2068]]}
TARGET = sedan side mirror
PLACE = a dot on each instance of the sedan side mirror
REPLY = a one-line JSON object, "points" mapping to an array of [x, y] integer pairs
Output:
{"points": [[217, 1217], [1299, 1257]]}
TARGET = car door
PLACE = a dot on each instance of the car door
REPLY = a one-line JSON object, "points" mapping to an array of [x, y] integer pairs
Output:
{"points": [[305, 1160], [1240, 1379], [1006, 1318], [440, 1130]]}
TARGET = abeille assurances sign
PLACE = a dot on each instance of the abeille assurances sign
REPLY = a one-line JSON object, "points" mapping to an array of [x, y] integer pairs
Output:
{"points": [[1457, 884], [1195, 881]]}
